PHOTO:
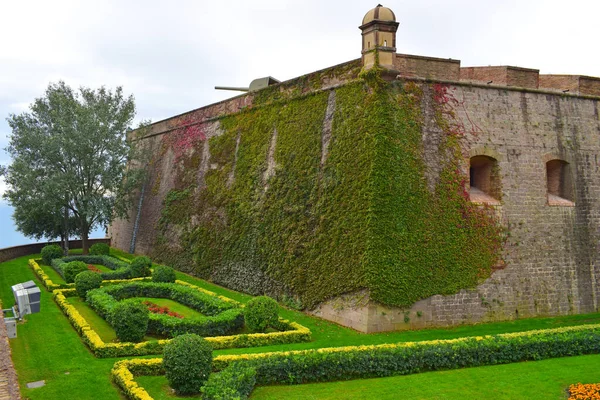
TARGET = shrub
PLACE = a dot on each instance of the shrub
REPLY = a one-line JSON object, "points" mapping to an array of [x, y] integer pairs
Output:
{"points": [[234, 382], [260, 313], [51, 252], [140, 266], [85, 281], [129, 318], [187, 362], [164, 274], [72, 269], [99, 249], [220, 317]]}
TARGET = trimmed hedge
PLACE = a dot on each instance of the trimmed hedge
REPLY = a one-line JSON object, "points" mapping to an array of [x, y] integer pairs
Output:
{"points": [[120, 269], [354, 362], [51, 252], [234, 382], [187, 362], [291, 332], [260, 313], [72, 269], [129, 319], [140, 267], [99, 249], [162, 273], [51, 286], [220, 317], [86, 281]]}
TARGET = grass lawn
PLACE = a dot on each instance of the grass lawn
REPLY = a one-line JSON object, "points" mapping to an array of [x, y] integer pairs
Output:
{"points": [[52, 274], [48, 347]]}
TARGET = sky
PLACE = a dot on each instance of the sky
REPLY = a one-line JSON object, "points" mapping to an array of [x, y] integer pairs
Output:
{"points": [[170, 55]]}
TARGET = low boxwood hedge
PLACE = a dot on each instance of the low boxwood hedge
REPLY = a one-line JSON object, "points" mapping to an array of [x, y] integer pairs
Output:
{"points": [[220, 317], [234, 382], [341, 363], [290, 332], [120, 269], [356, 362]]}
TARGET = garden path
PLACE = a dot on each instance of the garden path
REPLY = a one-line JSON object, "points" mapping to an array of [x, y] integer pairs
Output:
{"points": [[9, 386]]}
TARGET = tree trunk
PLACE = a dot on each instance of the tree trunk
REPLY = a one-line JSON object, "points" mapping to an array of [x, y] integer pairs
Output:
{"points": [[85, 231], [66, 232]]}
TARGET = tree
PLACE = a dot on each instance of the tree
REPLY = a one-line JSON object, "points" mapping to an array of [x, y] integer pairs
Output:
{"points": [[70, 153], [36, 214]]}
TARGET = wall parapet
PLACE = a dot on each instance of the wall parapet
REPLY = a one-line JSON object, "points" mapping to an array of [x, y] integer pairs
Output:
{"points": [[8, 253]]}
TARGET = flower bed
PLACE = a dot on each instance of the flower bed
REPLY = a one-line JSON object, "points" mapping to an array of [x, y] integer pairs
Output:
{"points": [[156, 309], [353, 362], [584, 392], [289, 332], [94, 269]]}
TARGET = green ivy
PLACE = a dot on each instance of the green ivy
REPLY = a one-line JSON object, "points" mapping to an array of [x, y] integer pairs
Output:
{"points": [[365, 219]]}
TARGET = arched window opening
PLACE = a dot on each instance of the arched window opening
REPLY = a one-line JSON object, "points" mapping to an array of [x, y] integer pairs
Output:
{"points": [[560, 188], [484, 181], [385, 43]]}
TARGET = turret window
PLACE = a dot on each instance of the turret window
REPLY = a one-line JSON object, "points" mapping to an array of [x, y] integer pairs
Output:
{"points": [[484, 181], [559, 185]]}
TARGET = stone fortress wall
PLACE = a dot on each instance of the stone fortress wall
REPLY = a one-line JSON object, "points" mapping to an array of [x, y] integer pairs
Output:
{"points": [[540, 134]]}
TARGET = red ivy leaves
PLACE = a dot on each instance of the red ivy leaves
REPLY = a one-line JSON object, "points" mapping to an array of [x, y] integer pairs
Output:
{"points": [[187, 135]]}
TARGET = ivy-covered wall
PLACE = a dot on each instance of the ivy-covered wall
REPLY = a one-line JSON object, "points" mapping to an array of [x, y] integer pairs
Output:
{"points": [[309, 196]]}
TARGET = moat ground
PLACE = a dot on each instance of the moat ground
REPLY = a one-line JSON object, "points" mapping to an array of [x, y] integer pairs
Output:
{"points": [[49, 349]]}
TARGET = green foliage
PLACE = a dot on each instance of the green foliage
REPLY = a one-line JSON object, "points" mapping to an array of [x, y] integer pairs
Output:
{"points": [[220, 317], [406, 358], [129, 318], [140, 267], [234, 382], [373, 215], [51, 252], [86, 281], [99, 249], [121, 269], [72, 269], [187, 362], [261, 313], [162, 273], [69, 152]]}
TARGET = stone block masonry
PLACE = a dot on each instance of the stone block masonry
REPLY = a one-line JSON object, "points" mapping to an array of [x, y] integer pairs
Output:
{"points": [[530, 143], [552, 253]]}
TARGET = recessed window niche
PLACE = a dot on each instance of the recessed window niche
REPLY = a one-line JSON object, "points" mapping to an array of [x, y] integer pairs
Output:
{"points": [[559, 185], [484, 180]]}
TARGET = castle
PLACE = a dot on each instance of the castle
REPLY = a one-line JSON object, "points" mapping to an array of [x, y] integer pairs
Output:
{"points": [[390, 192]]}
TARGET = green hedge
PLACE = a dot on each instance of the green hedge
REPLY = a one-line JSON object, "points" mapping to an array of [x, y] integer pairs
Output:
{"points": [[357, 362], [51, 252], [219, 317], [289, 332], [187, 361], [406, 358], [99, 249], [234, 382], [121, 269], [260, 313]]}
